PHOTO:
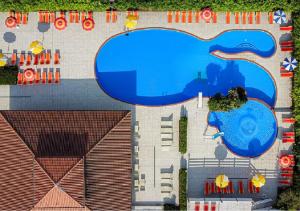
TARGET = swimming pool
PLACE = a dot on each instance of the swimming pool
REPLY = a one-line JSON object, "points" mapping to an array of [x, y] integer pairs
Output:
{"points": [[248, 131], [156, 67]]}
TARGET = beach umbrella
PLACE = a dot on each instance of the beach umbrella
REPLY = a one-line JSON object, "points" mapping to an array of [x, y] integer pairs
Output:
{"points": [[29, 74], [290, 63], [131, 21], [206, 14], [279, 17], [258, 180], [88, 24], [11, 22], [222, 181], [3, 60], [60, 23], [285, 161], [36, 47]]}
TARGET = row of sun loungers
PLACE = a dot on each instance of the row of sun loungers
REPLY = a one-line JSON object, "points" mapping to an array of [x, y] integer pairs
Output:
{"points": [[286, 174], [21, 17], [211, 188], [243, 17], [166, 184], [166, 133], [28, 59], [213, 206], [74, 16], [188, 17], [40, 77]]}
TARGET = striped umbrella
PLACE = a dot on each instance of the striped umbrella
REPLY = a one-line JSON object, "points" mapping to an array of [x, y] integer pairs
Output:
{"points": [[279, 17], [131, 22], [3, 60], [290, 63]]}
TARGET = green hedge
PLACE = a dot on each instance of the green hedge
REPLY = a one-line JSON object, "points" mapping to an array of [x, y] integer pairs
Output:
{"points": [[101, 5], [8, 75], [182, 189], [183, 135]]}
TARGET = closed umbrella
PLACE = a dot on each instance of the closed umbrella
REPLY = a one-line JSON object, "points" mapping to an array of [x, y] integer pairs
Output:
{"points": [[258, 180], [206, 14], [36, 47], [29, 74], [131, 22], [290, 63], [285, 161], [222, 181], [279, 17], [11, 22], [60, 23], [3, 60], [88, 24]]}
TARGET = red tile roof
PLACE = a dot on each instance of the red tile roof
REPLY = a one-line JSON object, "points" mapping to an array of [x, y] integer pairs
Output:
{"points": [[86, 153]]}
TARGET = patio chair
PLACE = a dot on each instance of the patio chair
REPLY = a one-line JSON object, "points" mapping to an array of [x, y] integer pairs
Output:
{"points": [[270, 18], [288, 140], [48, 57], [250, 187], [183, 16], [20, 78], [190, 16], [25, 18], [44, 77], [37, 77], [241, 187], [213, 206], [286, 28], [244, 17], [177, 14], [42, 58], [114, 16], [13, 58], [289, 120], [57, 76], [206, 205], [28, 59], [237, 17], [197, 206], [227, 16], [257, 17], [36, 60], [22, 59], [56, 57]]}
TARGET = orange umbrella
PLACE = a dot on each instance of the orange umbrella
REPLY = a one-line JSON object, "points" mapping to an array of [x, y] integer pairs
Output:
{"points": [[88, 24], [285, 161], [11, 22], [206, 14], [60, 23], [29, 74]]}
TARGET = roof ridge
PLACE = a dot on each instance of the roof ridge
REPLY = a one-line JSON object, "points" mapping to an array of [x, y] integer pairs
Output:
{"points": [[68, 172], [128, 113]]}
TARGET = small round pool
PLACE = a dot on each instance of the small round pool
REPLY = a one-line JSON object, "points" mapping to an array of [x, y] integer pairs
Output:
{"points": [[248, 131]]}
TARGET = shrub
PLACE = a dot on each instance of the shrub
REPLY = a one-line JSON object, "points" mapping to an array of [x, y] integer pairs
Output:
{"points": [[8, 75], [288, 199], [183, 135], [235, 98], [170, 207], [182, 189]]}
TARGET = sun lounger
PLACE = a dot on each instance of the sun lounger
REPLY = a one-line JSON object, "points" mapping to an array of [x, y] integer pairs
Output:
{"points": [[257, 17], [183, 16], [287, 74], [166, 180], [57, 76], [107, 16], [227, 17], [250, 187], [287, 170], [18, 17], [71, 16], [237, 17], [90, 14], [219, 190], [22, 59], [166, 188], [167, 123], [166, 143], [28, 59], [213, 206], [177, 14], [190, 16], [76, 16], [289, 120], [47, 17], [169, 16], [197, 206], [286, 175], [166, 194], [136, 167], [166, 130], [257, 189], [42, 58], [24, 80], [48, 57], [82, 14], [20, 78], [206, 188], [41, 16], [285, 182], [197, 17], [11, 13], [114, 16], [214, 17], [44, 77], [270, 17], [212, 187], [56, 58], [288, 134], [52, 17], [13, 58], [166, 136], [230, 187], [244, 17], [166, 175], [37, 77], [36, 60], [62, 14], [288, 140], [224, 190], [50, 77], [24, 18], [286, 28], [206, 206], [287, 49], [250, 18], [241, 187], [288, 43]]}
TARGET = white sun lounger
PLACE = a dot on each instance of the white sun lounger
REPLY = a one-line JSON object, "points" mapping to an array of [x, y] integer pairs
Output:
{"points": [[200, 100], [165, 194], [166, 130], [166, 181], [166, 175], [166, 142], [166, 188], [167, 123], [166, 136]]}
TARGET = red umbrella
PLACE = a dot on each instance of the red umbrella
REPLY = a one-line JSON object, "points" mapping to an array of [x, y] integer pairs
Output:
{"points": [[11, 22], [285, 161], [60, 23], [88, 24], [206, 14], [29, 74]]}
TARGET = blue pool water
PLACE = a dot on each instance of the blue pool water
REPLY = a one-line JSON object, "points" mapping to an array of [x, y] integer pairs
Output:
{"points": [[248, 131], [162, 66]]}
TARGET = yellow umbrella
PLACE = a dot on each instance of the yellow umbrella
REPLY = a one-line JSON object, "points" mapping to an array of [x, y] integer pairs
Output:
{"points": [[36, 47], [222, 181], [258, 180], [3, 60], [131, 21]]}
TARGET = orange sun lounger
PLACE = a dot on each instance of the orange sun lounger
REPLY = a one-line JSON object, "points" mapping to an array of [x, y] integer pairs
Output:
{"points": [[183, 16], [22, 59], [47, 17], [214, 17], [56, 58], [288, 175], [287, 49], [41, 16], [237, 17], [227, 17], [82, 16], [288, 134], [206, 206], [107, 16], [250, 187], [44, 77], [50, 77], [197, 206], [213, 206], [71, 17], [48, 57], [28, 59], [250, 18], [52, 17], [257, 17], [206, 188], [169, 16], [18, 17], [241, 187], [76, 16], [288, 140], [42, 58], [270, 18], [14, 59], [287, 74], [36, 60], [37, 77], [197, 17], [177, 14], [288, 43], [289, 120], [190, 16], [20, 78], [24, 18], [114, 16], [230, 187], [244, 17], [57, 76], [285, 182], [286, 28], [90, 14]]}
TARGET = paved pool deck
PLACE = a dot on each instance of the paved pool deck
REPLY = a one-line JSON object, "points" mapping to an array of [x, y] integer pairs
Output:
{"points": [[79, 90]]}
